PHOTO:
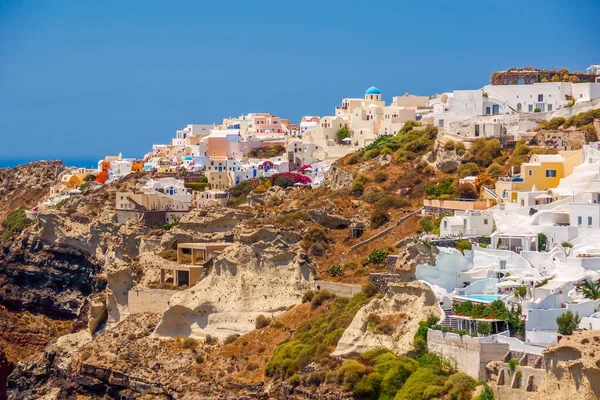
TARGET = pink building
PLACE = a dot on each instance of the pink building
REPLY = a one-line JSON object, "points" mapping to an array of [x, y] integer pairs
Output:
{"points": [[267, 125]]}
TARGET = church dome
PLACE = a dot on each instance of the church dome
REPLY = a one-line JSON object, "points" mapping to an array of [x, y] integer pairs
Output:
{"points": [[372, 90], [187, 158]]}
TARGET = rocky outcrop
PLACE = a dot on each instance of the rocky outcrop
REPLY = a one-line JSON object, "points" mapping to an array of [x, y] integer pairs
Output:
{"points": [[244, 281], [338, 177], [26, 185], [572, 368], [391, 321], [412, 252], [46, 280]]}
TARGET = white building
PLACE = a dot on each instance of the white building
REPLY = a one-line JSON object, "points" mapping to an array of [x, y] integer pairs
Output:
{"points": [[467, 223]]}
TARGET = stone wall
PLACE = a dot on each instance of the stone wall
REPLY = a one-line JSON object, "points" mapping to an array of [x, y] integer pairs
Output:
{"points": [[339, 289], [149, 300], [467, 353], [381, 280]]}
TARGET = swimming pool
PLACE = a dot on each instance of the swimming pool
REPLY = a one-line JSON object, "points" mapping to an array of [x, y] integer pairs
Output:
{"points": [[488, 298]]}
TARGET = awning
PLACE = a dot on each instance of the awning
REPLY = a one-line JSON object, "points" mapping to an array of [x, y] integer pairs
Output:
{"points": [[543, 196]]}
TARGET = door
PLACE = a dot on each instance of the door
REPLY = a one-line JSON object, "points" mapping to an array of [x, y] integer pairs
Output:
{"points": [[495, 109]]}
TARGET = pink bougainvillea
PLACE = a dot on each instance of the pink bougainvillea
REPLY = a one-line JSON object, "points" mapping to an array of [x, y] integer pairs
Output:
{"points": [[298, 178]]}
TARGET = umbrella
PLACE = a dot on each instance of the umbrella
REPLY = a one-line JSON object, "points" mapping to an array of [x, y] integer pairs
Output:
{"points": [[346, 139]]}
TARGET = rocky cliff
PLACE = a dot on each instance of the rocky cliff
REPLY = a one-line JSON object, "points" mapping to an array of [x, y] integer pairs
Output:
{"points": [[26, 185]]}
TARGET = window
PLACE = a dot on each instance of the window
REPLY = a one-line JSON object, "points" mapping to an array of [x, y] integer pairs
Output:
{"points": [[522, 203], [519, 106], [488, 110], [530, 171], [550, 173], [445, 224], [541, 106], [530, 108], [579, 221], [485, 221], [589, 222], [549, 107], [540, 97]]}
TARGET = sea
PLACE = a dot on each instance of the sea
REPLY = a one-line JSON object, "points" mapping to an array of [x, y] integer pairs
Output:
{"points": [[69, 162]]}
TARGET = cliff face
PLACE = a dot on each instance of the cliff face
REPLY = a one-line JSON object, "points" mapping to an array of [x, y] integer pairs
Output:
{"points": [[572, 368], [26, 185]]}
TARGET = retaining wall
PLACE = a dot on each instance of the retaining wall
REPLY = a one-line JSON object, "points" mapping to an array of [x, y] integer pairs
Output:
{"points": [[469, 354]]}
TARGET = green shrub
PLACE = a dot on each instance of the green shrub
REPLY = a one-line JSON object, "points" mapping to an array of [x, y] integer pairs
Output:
{"points": [[432, 319], [209, 339], [537, 110], [495, 170], [567, 322], [381, 177], [231, 338], [343, 133], [553, 124], [168, 254], [468, 169], [484, 151], [15, 222], [449, 145], [321, 297], [460, 386], [460, 148], [308, 296], [512, 364], [197, 186], [354, 158], [261, 322], [336, 270], [542, 240], [484, 328], [377, 256], [567, 245], [369, 290], [427, 225], [313, 339], [294, 380], [463, 245], [416, 385], [357, 189], [379, 217], [486, 393], [189, 343], [590, 133]]}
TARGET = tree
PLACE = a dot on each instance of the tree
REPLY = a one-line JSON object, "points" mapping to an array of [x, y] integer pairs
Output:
{"points": [[283, 181], [483, 180], [495, 170], [467, 191], [484, 151], [567, 322], [542, 240], [343, 133], [589, 289], [484, 328], [468, 169], [89, 177], [521, 292]]}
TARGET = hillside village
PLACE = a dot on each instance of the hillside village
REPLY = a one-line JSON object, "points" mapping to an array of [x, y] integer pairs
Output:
{"points": [[442, 246]]}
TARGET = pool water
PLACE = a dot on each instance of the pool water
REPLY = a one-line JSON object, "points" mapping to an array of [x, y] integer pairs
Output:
{"points": [[482, 297]]}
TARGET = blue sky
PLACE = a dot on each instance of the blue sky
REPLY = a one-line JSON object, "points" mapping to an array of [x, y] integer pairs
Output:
{"points": [[81, 79]]}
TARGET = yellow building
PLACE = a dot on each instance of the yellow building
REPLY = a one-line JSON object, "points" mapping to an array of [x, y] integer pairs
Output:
{"points": [[543, 171]]}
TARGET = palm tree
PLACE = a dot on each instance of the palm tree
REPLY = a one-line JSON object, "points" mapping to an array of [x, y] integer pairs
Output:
{"points": [[521, 292]]}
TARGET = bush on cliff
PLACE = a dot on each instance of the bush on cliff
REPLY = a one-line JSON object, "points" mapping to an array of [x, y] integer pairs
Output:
{"points": [[314, 339], [15, 222]]}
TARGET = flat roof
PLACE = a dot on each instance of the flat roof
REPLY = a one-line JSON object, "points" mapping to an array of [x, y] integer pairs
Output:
{"points": [[203, 246]]}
